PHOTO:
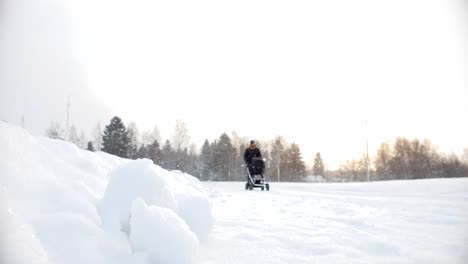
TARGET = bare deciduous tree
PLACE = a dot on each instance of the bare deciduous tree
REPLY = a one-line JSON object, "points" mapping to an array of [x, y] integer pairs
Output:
{"points": [[148, 137], [180, 138]]}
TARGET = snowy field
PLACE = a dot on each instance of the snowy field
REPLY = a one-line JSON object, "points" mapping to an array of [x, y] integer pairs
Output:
{"points": [[63, 205], [423, 221]]}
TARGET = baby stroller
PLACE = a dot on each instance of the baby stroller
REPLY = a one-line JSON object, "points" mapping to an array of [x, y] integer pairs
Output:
{"points": [[255, 177]]}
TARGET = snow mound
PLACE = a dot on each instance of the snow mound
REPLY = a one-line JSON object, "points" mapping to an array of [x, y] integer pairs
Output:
{"points": [[137, 179], [175, 190], [49, 190], [162, 234], [61, 204]]}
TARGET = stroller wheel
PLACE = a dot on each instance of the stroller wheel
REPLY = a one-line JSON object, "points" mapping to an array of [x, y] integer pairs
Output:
{"points": [[267, 186], [250, 186], [263, 188], [246, 185]]}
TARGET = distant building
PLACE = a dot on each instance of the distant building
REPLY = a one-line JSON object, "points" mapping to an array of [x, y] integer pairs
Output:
{"points": [[465, 156], [313, 178]]}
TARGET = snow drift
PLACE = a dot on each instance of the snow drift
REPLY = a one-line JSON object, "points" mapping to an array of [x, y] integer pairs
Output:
{"points": [[61, 204]]}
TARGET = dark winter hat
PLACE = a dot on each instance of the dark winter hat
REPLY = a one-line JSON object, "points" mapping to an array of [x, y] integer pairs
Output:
{"points": [[252, 142]]}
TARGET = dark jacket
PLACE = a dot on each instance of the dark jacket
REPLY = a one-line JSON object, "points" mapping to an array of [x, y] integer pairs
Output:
{"points": [[250, 154]]}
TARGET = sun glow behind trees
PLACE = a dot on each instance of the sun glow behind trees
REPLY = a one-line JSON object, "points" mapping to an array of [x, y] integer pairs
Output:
{"points": [[310, 71]]}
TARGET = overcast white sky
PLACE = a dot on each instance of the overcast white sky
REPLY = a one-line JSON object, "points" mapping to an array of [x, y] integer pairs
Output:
{"points": [[311, 71]]}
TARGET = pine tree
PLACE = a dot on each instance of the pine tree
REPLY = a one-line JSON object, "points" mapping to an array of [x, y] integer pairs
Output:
{"points": [[241, 170], [154, 153], [295, 163], [168, 154], [205, 161], [183, 161], [319, 168], [215, 162], [115, 140], [143, 152], [90, 146], [225, 155]]}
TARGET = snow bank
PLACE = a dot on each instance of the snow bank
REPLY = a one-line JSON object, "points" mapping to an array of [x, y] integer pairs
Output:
{"points": [[61, 204], [23, 246]]}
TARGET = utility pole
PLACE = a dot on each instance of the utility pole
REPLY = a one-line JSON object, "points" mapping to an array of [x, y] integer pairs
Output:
{"points": [[367, 153], [278, 164], [229, 168], [340, 173], [68, 116]]}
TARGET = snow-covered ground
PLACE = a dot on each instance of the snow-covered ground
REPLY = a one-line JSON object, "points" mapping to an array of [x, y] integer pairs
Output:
{"points": [[63, 205], [423, 221]]}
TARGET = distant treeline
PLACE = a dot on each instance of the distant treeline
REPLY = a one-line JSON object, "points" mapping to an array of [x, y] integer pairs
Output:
{"points": [[221, 159], [405, 159]]}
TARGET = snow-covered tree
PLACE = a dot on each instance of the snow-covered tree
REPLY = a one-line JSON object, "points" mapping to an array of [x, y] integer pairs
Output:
{"points": [[82, 143], [193, 166], [73, 135], [97, 137], [133, 134], [55, 131]]}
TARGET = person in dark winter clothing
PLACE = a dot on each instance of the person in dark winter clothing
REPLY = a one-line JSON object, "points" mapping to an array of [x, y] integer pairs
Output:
{"points": [[251, 155]]}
